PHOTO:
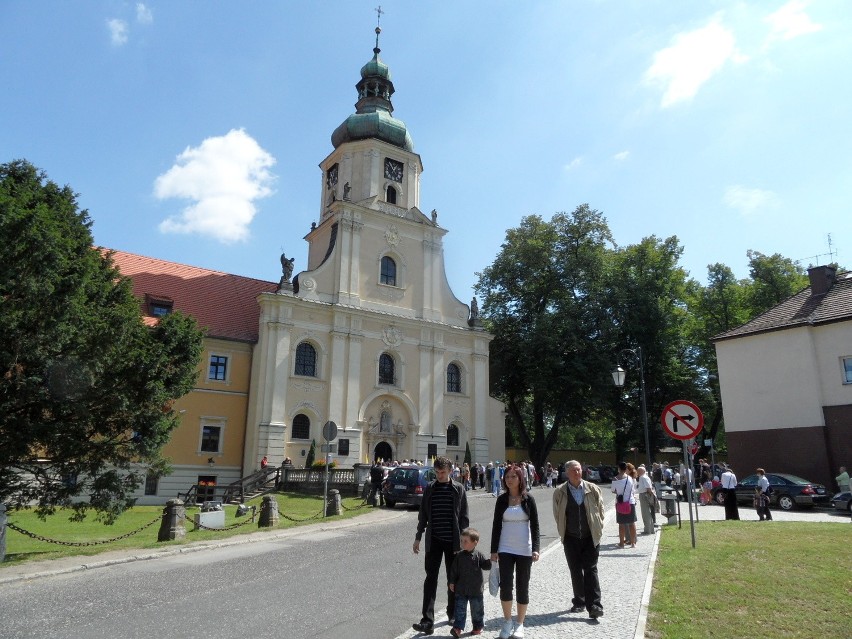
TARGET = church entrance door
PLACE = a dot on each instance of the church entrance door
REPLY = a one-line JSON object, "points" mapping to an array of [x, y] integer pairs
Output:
{"points": [[383, 451]]}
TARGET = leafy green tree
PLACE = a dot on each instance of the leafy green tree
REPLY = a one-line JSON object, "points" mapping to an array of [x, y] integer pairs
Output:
{"points": [[541, 300], [774, 278], [647, 298], [86, 388]]}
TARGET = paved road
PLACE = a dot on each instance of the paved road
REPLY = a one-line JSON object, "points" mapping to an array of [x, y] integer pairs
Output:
{"points": [[355, 578]]}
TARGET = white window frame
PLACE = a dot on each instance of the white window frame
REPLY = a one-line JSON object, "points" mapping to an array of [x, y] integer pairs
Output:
{"points": [[228, 365], [846, 369], [212, 422]]}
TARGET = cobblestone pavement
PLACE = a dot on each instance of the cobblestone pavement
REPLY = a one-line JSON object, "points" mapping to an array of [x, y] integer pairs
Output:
{"points": [[626, 576]]}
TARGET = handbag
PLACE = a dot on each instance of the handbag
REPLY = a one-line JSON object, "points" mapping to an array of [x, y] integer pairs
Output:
{"points": [[494, 579], [622, 506]]}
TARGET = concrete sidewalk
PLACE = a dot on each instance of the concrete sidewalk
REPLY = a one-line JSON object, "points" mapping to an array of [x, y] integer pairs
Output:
{"points": [[626, 578]]}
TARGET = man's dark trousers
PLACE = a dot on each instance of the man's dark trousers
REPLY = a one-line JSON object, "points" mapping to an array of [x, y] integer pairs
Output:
{"points": [[437, 550], [582, 556]]}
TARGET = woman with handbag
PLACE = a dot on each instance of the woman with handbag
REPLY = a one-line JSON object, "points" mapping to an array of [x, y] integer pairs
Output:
{"points": [[625, 503], [515, 545]]}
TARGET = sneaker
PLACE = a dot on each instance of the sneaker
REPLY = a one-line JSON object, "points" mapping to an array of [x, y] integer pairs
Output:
{"points": [[595, 612], [577, 608], [506, 631], [423, 628], [518, 633], [456, 632]]}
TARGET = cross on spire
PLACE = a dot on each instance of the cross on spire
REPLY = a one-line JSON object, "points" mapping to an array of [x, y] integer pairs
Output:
{"points": [[379, 13]]}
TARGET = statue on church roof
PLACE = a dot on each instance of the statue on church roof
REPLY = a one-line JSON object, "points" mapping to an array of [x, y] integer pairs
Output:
{"points": [[434, 217], [286, 267]]}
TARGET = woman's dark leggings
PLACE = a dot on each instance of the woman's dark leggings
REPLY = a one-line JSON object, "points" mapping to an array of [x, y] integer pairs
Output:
{"points": [[519, 567]]}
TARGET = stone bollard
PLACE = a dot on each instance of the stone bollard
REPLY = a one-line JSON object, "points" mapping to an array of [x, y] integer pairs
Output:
{"points": [[172, 526], [268, 512], [332, 506], [2, 533]]}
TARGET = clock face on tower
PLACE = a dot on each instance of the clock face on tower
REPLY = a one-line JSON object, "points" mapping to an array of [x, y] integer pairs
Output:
{"points": [[393, 170], [331, 177]]}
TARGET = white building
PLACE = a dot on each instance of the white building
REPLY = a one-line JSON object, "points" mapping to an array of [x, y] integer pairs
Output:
{"points": [[370, 336], [786, 383]]}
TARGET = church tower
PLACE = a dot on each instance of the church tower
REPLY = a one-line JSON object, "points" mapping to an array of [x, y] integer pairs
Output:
{"points": [[370, 335]]}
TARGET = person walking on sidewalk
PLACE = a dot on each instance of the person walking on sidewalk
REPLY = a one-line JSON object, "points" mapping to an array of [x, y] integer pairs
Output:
{"points": [[729, 485], [761, 498], [443, 515], [468, 584], [646, 500], [579, 513], [515, 543], [624, 487]]}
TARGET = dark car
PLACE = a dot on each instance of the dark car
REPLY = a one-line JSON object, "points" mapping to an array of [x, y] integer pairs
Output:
{"points": [[843, 502], [788, 491], [405, 485]]}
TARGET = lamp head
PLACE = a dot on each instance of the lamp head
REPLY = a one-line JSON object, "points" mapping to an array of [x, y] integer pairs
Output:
{"points": [[618, 376]]}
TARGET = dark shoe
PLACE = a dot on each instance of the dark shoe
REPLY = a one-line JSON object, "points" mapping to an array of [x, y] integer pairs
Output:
{"points": [[577, 608], [595, 612], [424, 628], [476, 631], [455, 632]]}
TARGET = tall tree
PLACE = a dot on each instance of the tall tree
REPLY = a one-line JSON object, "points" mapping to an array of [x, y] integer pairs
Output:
{"points": [[647, 293], [86, 388], [774, 278], [541, 300]]}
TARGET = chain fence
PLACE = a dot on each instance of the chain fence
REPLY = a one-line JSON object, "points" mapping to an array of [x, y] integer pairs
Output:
{"points": [[231, 527], [81, 543]]}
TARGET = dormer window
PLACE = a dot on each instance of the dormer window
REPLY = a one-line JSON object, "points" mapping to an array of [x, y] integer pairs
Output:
{"points": [[390, 196], [158, 306]]}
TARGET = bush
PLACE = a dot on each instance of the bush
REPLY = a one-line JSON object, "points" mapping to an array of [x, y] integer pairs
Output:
{"points": [[320, 464]]}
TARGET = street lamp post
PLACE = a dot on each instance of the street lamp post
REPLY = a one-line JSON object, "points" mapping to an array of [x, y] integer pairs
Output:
{"points": [[618, 376]]}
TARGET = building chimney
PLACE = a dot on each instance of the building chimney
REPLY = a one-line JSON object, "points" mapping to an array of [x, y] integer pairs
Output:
{"points": [[822, 277]]}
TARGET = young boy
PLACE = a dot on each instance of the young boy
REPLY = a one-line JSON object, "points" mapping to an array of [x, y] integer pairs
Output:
{"points": [[468, 584]]}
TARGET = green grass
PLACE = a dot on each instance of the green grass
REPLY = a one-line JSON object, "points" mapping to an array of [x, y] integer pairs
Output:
{"points": [[21, 548], [747, 579]]}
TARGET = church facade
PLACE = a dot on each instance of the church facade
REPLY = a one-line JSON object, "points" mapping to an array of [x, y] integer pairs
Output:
{"points": [[369, 336]]}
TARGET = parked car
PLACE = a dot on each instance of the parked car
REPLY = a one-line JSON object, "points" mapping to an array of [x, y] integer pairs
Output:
{"points": [[591, 473], [843, 501], [788, 491], [405, 485]]}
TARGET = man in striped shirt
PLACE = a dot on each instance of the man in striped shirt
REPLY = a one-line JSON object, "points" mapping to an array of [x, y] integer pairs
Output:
{"points": [[443, 515]]}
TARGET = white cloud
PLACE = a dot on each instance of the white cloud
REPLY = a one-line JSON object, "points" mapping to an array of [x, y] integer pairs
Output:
{"points": [[692, 59], [791, 21], [621, 156], [143, 14], [750, 201], [117, 31], [223, 177], [573, 164]]}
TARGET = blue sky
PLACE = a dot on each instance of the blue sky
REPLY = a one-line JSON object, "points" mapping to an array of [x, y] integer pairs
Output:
{"points": [[193, 130]]}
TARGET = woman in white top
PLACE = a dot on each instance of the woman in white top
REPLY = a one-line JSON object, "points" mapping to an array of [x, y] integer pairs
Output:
{"points": [[515, 542], [624, 487]]}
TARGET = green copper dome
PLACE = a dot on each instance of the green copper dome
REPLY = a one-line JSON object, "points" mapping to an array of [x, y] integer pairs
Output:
{"points": [[372, 117]]}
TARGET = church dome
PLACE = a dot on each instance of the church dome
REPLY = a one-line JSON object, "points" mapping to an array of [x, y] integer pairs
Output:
{"points": [[373, 112]]}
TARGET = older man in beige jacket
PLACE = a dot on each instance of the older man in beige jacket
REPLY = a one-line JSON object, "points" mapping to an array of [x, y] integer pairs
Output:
{"points": [[579, 513]]}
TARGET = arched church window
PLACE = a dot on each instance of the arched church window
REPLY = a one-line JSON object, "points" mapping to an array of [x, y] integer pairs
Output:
{"points": [[386, 371], [388, 275], [301, 427], [306, 360], [390, 196], [385, 422], [452, 435], [453, 379]]}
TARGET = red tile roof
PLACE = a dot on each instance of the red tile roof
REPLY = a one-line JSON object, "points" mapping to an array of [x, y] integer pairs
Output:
{"points": [[224, 305], [802, 309]]}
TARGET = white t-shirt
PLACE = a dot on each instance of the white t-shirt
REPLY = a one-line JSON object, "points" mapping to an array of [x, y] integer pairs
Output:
{"points": [[645, 484], [624, 486], [515, 536], [729, 480]]}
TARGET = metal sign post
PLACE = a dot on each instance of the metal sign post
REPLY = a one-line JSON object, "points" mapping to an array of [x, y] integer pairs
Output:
{"points": [[329, 432], [690, 491], [683, 420]]}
